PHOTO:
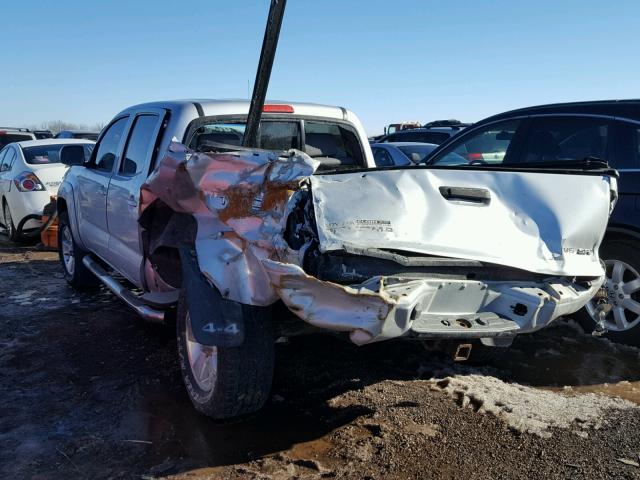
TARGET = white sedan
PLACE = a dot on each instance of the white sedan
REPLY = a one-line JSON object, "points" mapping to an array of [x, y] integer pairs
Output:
{"points": [[30, 173]]}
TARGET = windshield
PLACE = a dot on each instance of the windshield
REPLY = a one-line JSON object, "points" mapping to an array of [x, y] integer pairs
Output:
{"points": [[46, 154], [417, 153], [13, 137], [334, 144]]}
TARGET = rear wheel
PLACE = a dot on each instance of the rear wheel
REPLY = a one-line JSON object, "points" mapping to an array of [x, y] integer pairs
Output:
{"points": [[622, 283], [71, 255], [227, 382], [8, 223]]}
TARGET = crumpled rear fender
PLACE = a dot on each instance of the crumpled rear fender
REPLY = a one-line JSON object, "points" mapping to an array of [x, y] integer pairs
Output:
{"points": [[240, 202]]}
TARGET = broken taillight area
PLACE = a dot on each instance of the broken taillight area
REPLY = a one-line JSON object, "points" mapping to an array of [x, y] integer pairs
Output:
{"points": [[28, 182]]}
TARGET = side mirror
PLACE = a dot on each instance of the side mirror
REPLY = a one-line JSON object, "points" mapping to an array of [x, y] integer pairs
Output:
{"points": [[72, 155]]}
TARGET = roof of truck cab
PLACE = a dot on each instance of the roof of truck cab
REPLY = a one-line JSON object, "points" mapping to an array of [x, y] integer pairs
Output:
{"points": [[618, 108], [212, 107]]}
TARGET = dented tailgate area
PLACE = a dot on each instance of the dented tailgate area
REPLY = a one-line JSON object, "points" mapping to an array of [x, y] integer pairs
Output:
{"points": [[416, 252]]}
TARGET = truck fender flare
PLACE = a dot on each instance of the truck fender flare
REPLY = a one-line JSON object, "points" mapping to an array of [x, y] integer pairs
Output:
{"points": [[215, 320], [66, 195]]}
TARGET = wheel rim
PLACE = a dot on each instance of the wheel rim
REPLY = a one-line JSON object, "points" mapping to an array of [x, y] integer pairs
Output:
{"points": [[68, 257], [623, 294], [203, 360]]}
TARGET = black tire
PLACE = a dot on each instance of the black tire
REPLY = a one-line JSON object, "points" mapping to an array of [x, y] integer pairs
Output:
{"points": [[627, 251], [244, 374], [78, 276], [8, 223]]}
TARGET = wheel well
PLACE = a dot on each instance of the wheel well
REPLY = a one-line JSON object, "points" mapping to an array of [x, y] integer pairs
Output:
{"points": [[162, 231]]}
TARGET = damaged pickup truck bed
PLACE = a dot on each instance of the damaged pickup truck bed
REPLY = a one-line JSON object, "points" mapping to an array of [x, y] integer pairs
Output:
{"points": [[414, 252]]}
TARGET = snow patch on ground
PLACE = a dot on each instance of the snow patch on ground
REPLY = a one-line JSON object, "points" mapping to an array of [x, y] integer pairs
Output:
{"points": [[527, 409]]}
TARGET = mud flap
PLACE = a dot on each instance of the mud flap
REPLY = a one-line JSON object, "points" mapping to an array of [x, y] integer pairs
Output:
{"points": [[214, 320]]}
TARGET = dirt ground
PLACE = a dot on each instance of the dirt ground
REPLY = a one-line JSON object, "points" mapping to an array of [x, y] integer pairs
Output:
{"points": [[90, 391]]}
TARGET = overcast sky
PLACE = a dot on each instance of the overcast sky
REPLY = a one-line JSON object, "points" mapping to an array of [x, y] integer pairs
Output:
{"points": [[387, 61]]}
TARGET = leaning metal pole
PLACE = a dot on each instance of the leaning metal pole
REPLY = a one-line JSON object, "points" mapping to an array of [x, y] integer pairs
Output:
{"points": [[268, 53]]}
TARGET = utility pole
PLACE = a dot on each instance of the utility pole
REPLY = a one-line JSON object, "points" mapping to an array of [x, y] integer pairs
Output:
{"points": [[268, 53]]}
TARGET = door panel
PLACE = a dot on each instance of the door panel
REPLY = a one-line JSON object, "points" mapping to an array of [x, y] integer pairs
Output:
{"points": [[93, 185], [124, 195]]}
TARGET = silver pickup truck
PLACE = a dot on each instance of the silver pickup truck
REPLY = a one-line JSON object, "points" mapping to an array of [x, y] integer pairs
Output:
{"points": [[174, 216]]}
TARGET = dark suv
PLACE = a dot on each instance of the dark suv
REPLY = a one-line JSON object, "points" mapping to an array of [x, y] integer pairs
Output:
{"points": [[569, 136]]}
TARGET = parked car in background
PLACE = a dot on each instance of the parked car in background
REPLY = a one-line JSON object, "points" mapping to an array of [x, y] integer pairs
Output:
{"points": [[398, 127], [565, 136], [435, 132], [401, 153], [42, 134], [9, 135], [30, 173], [78, 134]]}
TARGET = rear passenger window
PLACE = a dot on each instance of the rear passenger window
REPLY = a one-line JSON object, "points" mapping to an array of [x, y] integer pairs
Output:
{"points": [[7, 161], [552, 139], [488, 145], [140, 145], [333, 144], [2, 155], [627, 146], [108, 146]]}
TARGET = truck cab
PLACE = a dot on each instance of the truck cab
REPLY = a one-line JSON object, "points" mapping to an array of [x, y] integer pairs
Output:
{"points": [[102, 197]]}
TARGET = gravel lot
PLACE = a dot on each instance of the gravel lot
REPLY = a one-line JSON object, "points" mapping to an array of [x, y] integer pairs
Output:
{"points": [[90, 391]]}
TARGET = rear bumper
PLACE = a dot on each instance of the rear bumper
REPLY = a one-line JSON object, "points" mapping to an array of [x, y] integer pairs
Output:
{"points": [[28, 203], [428, 307]]}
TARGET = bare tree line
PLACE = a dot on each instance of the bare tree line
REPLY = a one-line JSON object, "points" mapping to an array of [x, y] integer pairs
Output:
{"points": [[58, 125]]}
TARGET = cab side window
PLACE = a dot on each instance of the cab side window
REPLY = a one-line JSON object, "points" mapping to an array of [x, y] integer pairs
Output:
{"points": [[108, 147], [140, 145]]}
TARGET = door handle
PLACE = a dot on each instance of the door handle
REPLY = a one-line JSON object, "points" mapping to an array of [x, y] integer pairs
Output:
{"points": [[132, 201], [466, 194], [102, 190]]}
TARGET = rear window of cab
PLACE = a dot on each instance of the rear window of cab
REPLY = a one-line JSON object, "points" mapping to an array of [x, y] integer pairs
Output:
{"points": [[336, 145]]}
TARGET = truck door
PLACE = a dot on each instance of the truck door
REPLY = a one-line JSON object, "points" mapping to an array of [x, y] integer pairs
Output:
{"points": [[93, 184], [124, 194]]}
